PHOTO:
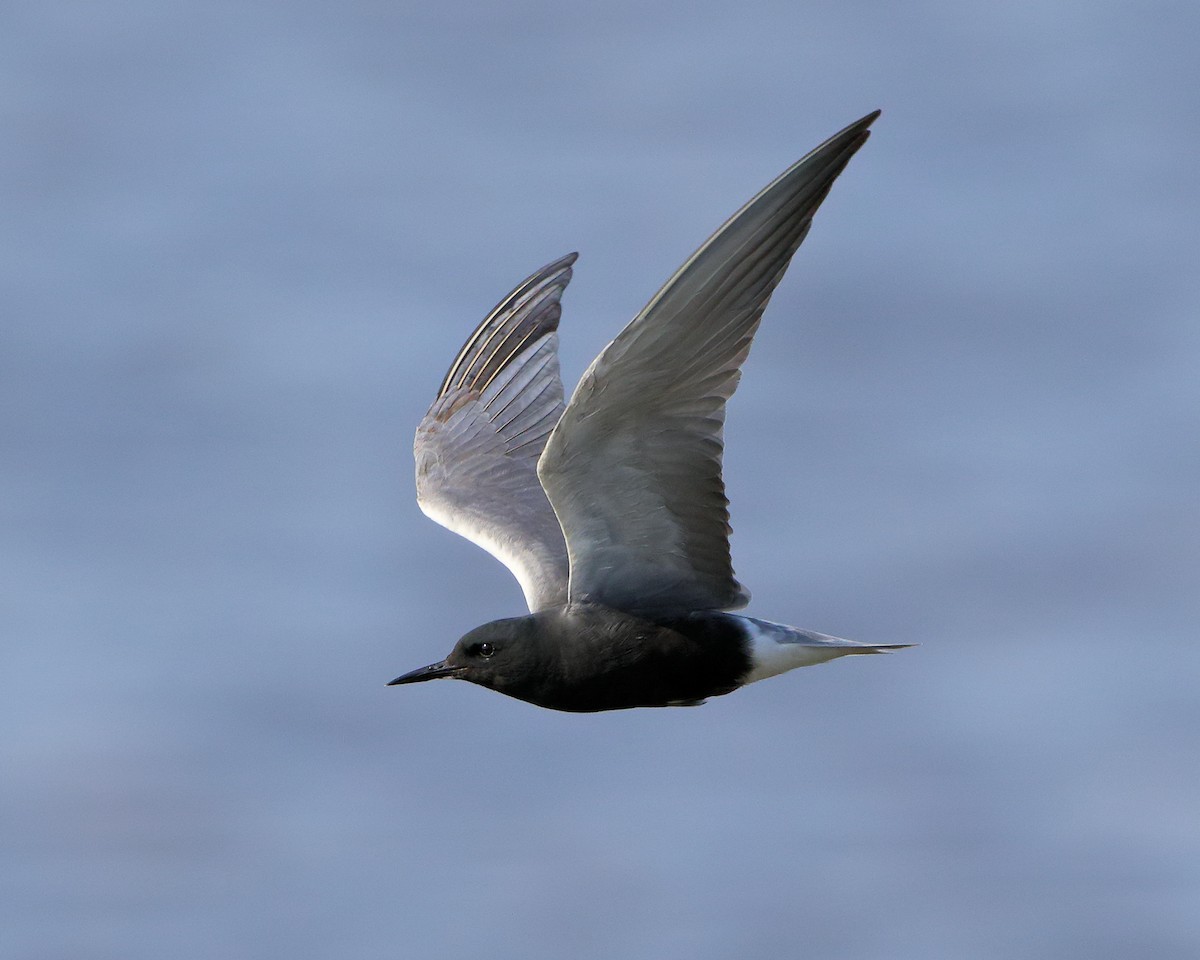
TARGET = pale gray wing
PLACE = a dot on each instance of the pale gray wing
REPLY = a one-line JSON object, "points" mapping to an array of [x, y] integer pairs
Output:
{"points": [[478, 446], [634, 466]]}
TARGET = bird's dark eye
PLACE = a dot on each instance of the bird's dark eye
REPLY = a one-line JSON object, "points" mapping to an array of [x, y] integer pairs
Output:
{"points": [[485, 650]]}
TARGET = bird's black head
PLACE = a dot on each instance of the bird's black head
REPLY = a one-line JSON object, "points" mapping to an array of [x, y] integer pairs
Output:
{"points": [[499, 655]]}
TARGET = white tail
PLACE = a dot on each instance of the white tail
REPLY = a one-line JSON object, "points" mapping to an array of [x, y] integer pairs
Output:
{"points": [[776, 648]]}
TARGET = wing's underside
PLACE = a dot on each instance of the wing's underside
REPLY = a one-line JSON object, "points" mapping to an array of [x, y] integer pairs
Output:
{"points": [[477, 448]]}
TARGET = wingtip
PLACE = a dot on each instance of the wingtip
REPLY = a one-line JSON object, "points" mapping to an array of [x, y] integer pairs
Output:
{"points": [[858, 128], [866, 121], [534, 299], [562, 263]]}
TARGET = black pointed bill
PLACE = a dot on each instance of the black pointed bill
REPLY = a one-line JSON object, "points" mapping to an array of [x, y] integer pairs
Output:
{"points": [[435, 671]]}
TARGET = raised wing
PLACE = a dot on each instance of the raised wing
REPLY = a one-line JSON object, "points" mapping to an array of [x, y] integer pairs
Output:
{"points": [[633, 468], [478, 446]]}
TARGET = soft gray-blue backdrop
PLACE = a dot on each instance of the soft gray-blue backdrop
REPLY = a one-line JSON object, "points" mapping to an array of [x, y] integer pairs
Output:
{"points": [[240, 242]]}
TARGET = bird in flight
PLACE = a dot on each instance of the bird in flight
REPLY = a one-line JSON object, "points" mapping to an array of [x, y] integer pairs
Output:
{"points": [[610, 510]]}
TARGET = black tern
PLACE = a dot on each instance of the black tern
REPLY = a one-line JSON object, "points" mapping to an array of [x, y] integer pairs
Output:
{"points": [[610, 510]]}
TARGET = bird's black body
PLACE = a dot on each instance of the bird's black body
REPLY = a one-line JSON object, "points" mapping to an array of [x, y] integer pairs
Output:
{"points": [[584, 657]]}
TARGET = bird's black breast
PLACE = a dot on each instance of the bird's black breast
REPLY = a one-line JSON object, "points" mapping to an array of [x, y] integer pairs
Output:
{"points": [[604, 659]]}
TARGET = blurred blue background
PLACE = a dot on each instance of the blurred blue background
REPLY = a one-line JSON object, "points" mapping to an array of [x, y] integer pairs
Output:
{"points": [[240, 244]]}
